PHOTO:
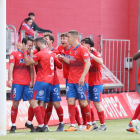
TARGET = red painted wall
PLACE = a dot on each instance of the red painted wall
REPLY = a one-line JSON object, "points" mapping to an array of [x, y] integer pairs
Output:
{"points": [[114, 19]]}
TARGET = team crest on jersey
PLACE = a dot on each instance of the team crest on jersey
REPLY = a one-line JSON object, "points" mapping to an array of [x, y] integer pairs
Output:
{"points": [[11, 57], [21, 60]]}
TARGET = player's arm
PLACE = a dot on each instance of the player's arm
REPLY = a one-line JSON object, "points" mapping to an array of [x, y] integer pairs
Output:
{"points": [[57, 63], [136, 56], [27, 61], [10, 71], [97, 59], [32, 76], [86, 69], [66, 60]]}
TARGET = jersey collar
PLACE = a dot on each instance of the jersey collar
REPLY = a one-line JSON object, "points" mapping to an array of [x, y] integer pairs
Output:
{"points": [[69, 48], [91, 51], [19, 51], [77, 47], [52, 49]]}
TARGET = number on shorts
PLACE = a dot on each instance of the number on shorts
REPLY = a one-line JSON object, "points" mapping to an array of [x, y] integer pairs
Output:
{"points": [[52, 63], [14, 91]]}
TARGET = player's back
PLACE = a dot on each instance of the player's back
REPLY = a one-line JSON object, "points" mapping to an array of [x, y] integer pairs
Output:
{"points": [[46, 62], [21, 72]]}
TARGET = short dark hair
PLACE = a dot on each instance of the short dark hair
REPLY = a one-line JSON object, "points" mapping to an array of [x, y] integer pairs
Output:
{"points": [[89, 41], [41, 40], [73, 32], [28, 19], [64, 34], [27, 38], [83, 40], [51, 37], [31, 14]]}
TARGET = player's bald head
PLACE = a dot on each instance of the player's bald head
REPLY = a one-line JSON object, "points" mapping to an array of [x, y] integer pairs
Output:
{"points": [[74, 33]]}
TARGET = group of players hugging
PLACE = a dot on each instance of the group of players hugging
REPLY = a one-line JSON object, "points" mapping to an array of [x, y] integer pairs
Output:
{"points": [[81, 64]]}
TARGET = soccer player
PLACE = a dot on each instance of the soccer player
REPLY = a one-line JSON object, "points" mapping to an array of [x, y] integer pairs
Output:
{"points": [[44, 80], [23, 79], [64, 50], [55, 96], [95, 84], [77, 86], [135, 121]]}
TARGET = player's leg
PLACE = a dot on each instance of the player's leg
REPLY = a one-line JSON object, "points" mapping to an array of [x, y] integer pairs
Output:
{"points": [[71, 95], [40, 89], [16, 94], [48, 113], [77, 117], [27, 95], [82, 93], [41, 104], [84, 118], [97, 98], [55, 97], [136, 124], [95, 126], [59, 111], [136, 114]]}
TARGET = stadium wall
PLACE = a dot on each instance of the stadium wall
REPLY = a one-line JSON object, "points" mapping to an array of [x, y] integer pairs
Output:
{"points": [[114, 19]]}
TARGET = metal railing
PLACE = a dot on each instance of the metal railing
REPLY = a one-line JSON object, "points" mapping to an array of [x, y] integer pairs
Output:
{"points": [[114, 52]]}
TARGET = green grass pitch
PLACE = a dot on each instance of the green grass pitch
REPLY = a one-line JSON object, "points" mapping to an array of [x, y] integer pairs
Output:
{"points": [[116, 130]]}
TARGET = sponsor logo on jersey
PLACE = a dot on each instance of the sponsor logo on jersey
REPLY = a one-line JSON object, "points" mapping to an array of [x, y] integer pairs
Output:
{"points": [[21, 60], [41, 92], [11, 57]]}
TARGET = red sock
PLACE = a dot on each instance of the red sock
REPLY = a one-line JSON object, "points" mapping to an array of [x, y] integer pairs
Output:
{"points": [[77, 116], [48, 114], [14, 112], [60, 113], [136, 114], [92, 115], [101, 117], [83, 116], [30, 114], [38, 115], [87, 113], [72, 113], [42, 112]]}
